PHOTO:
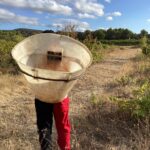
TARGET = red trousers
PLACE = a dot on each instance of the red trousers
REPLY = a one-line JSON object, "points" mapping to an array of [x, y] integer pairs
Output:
{"points": [[61, 111], [45, 112]]}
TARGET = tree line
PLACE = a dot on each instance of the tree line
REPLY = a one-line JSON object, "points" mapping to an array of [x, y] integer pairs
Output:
{"points": [[101, 34]]}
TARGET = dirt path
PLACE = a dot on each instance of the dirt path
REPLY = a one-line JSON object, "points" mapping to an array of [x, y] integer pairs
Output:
{"points": [[17, 115], [95, 80]]}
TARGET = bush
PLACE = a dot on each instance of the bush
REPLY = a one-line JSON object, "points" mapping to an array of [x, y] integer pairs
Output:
{"points": [[146, 50], [8, 39], [96, 101], [128, 42], [145, 45], [96, 49], [139, 107]]}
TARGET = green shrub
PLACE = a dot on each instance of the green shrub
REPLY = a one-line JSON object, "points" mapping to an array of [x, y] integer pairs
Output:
{"points": [[96, 49], [146, 50], [128, 42], [8, 39], [125, 80], [143, 41], [140, 105], [145, 45], [96, 100]]}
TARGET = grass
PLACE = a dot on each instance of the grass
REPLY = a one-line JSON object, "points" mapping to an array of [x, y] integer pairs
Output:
{"points": [[103, 127], [137, 100], [16, 114], [108, 125], [100, 125], [97, 49]]}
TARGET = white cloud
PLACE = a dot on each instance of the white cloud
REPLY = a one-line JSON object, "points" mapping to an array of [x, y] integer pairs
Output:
{"points": [[103, 28], [90, 7], [16, 3], [85, 15], [58, 25], [108, 1], [80, 8], [76, 8], [80, 26], [109, 18], [116, 13], [7, 16], [51, 6], [26, 20], [148, 20]]}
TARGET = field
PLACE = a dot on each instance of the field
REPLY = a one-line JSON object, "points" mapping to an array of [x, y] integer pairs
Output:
{"points": [[97, 121]]}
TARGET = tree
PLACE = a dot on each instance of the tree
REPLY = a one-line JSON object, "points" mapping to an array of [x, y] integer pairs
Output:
{"points": [[80, 36], [110, 34], [99, 34], [143, 33], [88, 35], [70, 30], [48, 31], [127, 34]]}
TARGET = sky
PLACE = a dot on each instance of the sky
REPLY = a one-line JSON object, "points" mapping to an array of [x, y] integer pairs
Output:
{"points": [[85, 14]]}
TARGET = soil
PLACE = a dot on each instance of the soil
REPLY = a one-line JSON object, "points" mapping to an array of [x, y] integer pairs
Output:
{"points": [[17, 112], [96, 79]]}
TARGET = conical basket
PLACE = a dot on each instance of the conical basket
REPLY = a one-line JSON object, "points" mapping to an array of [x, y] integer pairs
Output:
{"points": [[51, 86]]}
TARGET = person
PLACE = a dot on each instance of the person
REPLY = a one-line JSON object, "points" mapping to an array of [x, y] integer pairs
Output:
{"points": [[44, 115]]}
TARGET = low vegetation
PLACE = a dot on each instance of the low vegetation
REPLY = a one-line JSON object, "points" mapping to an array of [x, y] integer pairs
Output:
{"points": [[97, 41], [8, 39], [126, 115], [145, 45], [120, 121], [137, 103]]}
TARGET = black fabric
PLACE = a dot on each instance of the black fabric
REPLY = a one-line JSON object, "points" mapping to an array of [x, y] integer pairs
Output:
{"points": [[44, 114]]}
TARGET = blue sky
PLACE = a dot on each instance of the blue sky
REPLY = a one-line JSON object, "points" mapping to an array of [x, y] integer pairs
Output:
{"points": [[85, 14]]}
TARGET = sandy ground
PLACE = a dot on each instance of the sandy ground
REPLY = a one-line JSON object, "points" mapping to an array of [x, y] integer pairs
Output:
{"points": [[98, 76], [17, 115]]}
